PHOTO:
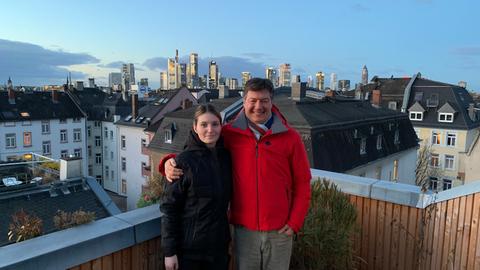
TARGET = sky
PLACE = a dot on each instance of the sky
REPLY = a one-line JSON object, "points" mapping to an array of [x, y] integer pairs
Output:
{"points": [[42, 41]]}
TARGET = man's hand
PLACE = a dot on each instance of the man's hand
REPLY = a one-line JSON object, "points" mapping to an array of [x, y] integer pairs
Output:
{"points": [[171, 263], [171, 172], [286, 230]]}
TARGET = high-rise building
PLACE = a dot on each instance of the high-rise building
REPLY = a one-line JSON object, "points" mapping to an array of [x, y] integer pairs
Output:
{"points": [[245, 77], [172, 73], [364, 75], [182, 72], [271, 74], [333, 81], [163, 80], [212, 75], [320, 76], [114, 78], [232, 83], [309, 81], [128, 75], [284, 75], [192, 71], [343, 85]]}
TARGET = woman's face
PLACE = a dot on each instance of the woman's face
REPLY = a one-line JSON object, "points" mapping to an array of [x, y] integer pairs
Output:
{"points": [[208, 128]]}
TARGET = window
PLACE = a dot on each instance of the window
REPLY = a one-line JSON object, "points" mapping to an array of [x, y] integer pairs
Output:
{"points": [[111, 135], [111, 155], [445, 117], [168, 136], [98, 141], [63, 120], [451, 139], [89, 131], [106, 132], [395, 170], [124, 186], [392, 105], [436, 138], [63, 136], [77, 152], [124, 142], [416, 116], [99, 179], [45, 127], [10, 140], [89, 151], [396, 138], [363, 146], [76, 119], [372, 130], [449, 162], [447, 184], [143, 142], [9, 124], [379, 142], [433, 183], [124, 164], [434, 160], [77, 135], [106, 172], [96, 123], [98, 158], [46, 148], [111, 175], [64, 153], [27, 139]]}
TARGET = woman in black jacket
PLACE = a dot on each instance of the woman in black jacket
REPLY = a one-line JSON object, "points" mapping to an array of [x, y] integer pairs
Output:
{"points": [[195, 230]]}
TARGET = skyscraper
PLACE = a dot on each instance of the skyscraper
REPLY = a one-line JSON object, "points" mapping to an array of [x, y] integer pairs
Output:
{"points": [[144, 81], [364, 75], [245, 77], [172, 74], [309, 81], [232, 83], [343, 85], [213, 75], [284, 75], [163, 80], [114, 78], [320, 76], [333, 81], [192, 75], [128, 75], [271, 74], [182, 72]]}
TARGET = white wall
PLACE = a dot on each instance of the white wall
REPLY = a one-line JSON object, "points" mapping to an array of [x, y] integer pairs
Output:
{"points": [[110, 144]]}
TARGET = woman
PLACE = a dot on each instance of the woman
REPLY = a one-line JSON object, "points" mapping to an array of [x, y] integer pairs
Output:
{"points": [[195, 232]]}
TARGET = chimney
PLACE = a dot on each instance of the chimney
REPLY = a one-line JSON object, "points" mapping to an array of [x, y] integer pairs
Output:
{"points": [[55, 96], [471, 112], [223, 91], [299, 90], [134, 106], [376, 98], [462, 84], [11, 96], [330, 94], [79, 85]]}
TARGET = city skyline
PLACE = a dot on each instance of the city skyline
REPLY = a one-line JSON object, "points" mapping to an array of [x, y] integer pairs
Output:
{"points": [[45, 43]]}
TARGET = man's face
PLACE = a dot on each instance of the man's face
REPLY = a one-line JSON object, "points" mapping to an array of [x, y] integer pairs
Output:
{"points": [[258, 106]]}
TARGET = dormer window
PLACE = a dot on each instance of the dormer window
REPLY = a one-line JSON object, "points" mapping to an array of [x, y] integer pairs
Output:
{"points": [[416, 116], [168, 136], [363, 146], [445, 117], [396, 139]]}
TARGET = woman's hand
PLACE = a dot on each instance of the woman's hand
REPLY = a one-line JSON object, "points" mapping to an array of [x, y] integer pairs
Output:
{"points": [[171, 263]]}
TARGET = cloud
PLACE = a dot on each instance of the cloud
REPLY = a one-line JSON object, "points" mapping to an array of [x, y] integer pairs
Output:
{"points": [[360, 7], [115, 64], [229, 66], [466, 51], [30, 64]]}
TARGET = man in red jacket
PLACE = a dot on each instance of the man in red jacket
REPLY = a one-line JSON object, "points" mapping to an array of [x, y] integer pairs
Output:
{"points": [[271, 180]]}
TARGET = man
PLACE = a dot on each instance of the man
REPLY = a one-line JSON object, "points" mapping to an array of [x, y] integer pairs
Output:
{"points": [[271, 180]]}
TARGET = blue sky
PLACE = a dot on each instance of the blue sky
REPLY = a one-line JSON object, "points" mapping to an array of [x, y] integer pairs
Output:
{"points": [[41, 41]]}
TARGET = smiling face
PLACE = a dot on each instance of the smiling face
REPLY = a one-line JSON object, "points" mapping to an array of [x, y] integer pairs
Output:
{"points": [[208, 128], [258, 106]]}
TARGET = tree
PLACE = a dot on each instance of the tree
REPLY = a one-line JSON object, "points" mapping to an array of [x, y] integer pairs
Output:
{"points": [[424, 169]]}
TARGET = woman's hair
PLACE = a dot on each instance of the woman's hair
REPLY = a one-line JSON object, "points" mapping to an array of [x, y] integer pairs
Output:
{"points": [[206, 108]]}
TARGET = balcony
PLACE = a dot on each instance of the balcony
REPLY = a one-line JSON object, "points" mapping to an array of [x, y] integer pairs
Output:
{"points": [[401, 228]]}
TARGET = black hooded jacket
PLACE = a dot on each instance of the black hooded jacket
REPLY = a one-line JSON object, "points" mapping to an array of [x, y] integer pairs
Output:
{"points": [[194, 221]]}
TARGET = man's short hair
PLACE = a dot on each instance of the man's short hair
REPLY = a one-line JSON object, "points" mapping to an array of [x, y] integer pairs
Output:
{"points": [[258, 84]]}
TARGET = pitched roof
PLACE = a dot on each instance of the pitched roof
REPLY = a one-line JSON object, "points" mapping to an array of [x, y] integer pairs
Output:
{"points": [[416, 107], [37, 106]]}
